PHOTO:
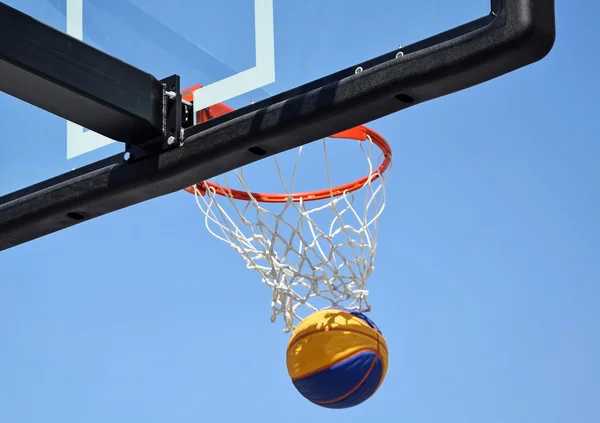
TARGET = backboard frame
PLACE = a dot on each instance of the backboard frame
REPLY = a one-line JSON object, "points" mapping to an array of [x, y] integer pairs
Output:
{"points": [[515, 34]]}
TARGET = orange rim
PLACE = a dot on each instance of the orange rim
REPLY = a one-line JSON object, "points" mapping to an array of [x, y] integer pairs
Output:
{"points": [[359, 133]]}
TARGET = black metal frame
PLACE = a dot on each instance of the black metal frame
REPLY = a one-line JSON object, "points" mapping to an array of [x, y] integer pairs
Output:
{"points": [[127, 104]]}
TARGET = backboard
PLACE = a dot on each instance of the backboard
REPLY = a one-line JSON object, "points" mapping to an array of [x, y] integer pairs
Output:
{"points": [[239, 50], [258, 52]]}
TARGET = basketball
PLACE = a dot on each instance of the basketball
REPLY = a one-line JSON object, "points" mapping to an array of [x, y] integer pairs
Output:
{"points": [[337, 358]]}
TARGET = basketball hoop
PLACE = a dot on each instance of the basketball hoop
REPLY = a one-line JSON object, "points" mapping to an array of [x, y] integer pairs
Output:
{"points": [[304, 266]]}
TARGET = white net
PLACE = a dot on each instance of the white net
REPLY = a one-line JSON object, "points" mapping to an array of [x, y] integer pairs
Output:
{"points": [[311, 254]]}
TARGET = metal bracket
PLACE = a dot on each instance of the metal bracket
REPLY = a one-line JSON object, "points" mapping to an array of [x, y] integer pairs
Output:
{"points": [[172, 112], [176, 115]]}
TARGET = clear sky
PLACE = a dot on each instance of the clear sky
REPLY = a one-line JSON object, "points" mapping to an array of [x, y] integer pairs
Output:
{"points": [[487, 279]]}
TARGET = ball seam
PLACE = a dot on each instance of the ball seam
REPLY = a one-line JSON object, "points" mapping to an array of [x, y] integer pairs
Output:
{"points": [[375, 338], [329, 365], [357, 387]]}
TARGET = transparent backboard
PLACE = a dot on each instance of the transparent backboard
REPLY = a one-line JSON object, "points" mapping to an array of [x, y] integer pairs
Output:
{"points": [[239, 50]]}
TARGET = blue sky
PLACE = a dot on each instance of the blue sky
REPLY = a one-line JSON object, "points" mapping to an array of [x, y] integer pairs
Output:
{"points": [[487, 280]]}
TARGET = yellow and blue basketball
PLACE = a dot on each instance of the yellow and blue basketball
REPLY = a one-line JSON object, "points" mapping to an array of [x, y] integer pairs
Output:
{"points": [[337, 358]]}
